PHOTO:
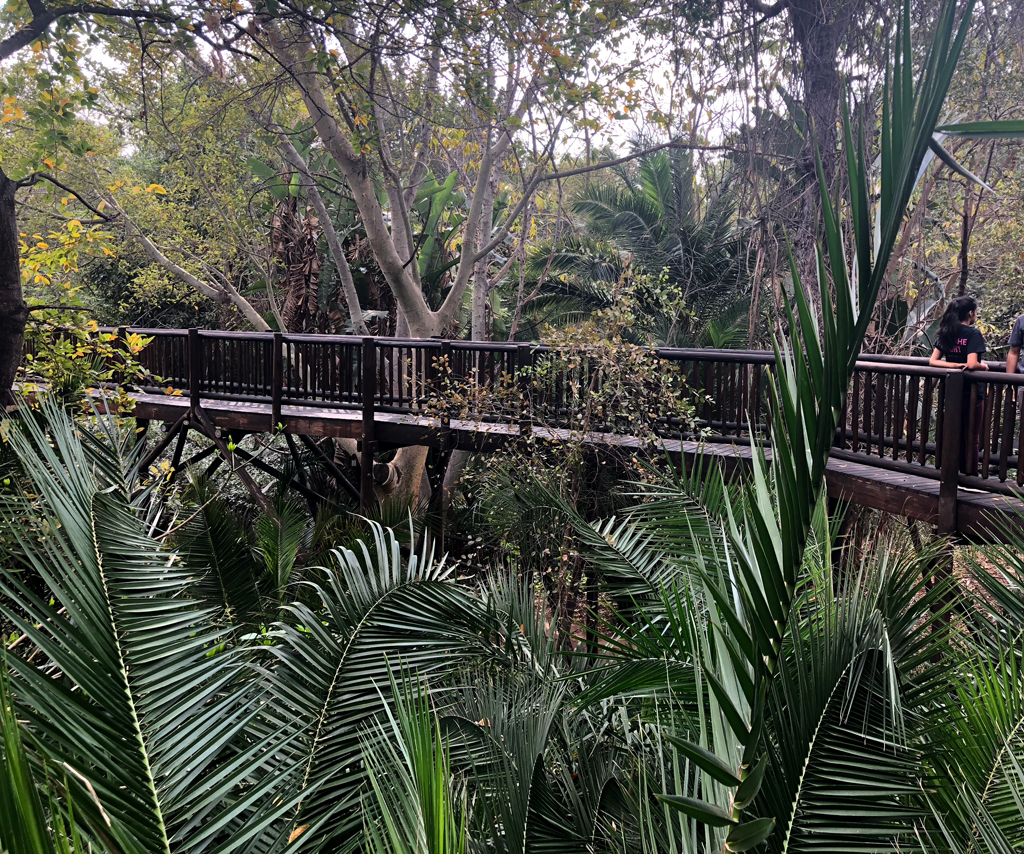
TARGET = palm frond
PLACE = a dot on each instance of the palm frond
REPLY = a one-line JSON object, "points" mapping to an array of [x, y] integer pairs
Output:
{"points": [[215, 547], [413, 806], [374, 611], [143, 708]]}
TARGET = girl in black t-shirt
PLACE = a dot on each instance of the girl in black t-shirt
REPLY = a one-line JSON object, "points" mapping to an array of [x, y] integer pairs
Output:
{"points": [[959, 345]]}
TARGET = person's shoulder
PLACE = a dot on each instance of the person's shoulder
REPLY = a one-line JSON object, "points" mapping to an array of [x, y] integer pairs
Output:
{"points": [[974, 339], [1017, 333]]}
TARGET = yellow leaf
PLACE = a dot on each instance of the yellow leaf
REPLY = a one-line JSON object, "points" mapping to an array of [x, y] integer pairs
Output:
{"points": [[156, 188], [101, 205]]}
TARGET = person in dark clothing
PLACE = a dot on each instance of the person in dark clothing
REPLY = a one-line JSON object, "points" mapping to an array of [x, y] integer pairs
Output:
{"points": [[1015, 365], [959, 345]]}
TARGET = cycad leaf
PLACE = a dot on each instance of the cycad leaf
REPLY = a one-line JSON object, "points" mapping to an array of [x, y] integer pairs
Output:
{"points": [[374, 608], [145, 710]]}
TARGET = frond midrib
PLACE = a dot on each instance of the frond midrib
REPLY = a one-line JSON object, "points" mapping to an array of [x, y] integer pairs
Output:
{"points": [[122, 674], [807, 759], [343, 660]]}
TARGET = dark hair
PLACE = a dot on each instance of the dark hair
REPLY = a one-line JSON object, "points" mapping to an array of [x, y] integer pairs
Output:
{"points": [[955, 314]]}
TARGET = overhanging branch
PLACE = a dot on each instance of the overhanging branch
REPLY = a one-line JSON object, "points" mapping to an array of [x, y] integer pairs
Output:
{"points": [[35, 176]]}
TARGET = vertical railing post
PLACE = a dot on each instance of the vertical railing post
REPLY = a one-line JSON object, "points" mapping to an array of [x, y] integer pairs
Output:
{"points": [[276, 380], [949, 465], [195, 360], [368, 391], [524, 375], [973, 428], [443, 392]]}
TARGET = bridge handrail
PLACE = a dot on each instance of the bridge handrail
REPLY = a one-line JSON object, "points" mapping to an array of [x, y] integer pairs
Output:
{"points": [[900, 412]]}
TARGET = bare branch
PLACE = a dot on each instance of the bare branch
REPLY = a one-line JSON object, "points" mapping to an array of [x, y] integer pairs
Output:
{"points": [[34, 179], [43, 18]]}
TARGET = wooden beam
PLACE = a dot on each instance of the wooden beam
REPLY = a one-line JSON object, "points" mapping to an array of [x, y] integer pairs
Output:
{"points": [[266, 468], [211, 433], [163, 443]]}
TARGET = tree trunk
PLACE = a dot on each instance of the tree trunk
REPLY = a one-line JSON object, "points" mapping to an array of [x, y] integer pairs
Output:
{"points": [[818, 29], [13, 309]]}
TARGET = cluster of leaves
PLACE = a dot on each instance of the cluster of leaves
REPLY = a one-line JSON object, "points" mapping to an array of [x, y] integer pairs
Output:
{"points": [[649, 238], [377, 703], [69, 358]]}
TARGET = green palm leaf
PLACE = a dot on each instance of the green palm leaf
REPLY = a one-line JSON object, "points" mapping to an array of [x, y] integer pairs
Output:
{"points": [[215, 547], [375, 610], [143, 710]]}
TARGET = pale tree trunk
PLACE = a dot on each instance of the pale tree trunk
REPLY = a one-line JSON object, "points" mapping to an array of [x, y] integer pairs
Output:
{"points": [[393, 247], [13, 309]]}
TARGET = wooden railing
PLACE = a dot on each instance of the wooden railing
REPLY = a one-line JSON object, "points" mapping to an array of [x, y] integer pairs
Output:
{"points": [[900, 413]]}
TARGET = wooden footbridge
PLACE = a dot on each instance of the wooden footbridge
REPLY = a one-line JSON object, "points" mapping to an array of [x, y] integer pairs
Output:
{"points": [[904, 444]]}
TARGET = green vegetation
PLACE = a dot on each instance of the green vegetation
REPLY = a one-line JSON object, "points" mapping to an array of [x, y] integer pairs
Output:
{"points": [[623, 659]]}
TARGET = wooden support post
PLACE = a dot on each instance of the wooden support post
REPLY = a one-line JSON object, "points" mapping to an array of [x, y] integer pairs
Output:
{"points": [[178, 449], [195, 359], [949, 465], [141, 430], [276, 381], [161, 446], [368, 392]]}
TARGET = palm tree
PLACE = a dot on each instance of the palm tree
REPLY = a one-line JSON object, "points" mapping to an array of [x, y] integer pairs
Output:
{"points": [[681, 254]]}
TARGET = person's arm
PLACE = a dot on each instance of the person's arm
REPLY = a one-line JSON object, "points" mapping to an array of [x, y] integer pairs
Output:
{"points": [[936, 361], [974, 362], [975, 351], [1016, 342]]}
